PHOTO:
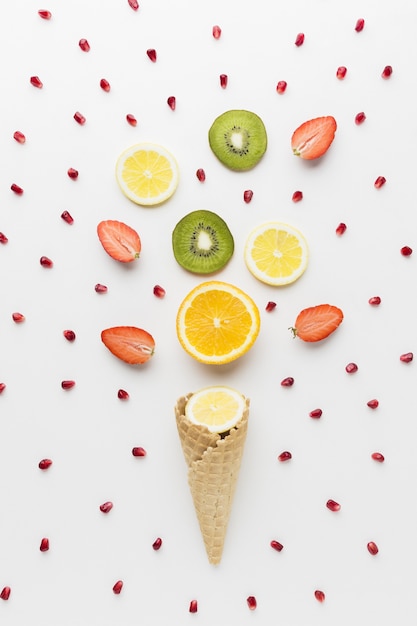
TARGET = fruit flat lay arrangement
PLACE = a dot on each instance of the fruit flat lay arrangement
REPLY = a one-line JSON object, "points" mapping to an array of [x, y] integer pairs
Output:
{"points": [[207, 313]]}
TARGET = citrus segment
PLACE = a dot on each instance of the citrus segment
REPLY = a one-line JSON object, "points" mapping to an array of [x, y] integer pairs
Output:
{"points": [[147, 173], [276, 253], [218, 408], [217, 322]]}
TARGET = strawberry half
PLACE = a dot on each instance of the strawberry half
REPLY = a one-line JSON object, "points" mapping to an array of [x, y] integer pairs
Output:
{"points": [[130, 344], [317, 322], [120, 241], [313, 138]]}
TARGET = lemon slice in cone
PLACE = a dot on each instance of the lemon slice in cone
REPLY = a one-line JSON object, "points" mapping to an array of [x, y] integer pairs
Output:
{"points": [[218, 408]]}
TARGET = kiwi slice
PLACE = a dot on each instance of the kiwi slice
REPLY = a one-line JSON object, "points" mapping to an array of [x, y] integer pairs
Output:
{"points": [[238, 139], [202, 242]]}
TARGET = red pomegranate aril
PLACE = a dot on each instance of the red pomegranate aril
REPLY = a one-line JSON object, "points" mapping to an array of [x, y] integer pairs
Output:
{"points": [[99, 288], [319, 595], [379, 182], [69, 335], [16, 189], [67, 384], [297, 196], [159, 291], [223, 80], [3, 238], [172, 102], [2, 387], [373, 404], [284, 456], [281, 86], [360, 118], [46, 262], [72, 173], [332, 505], [341, 72], [36, 82], [151, 52], [134, 4], [341, 229], [67, 217], [138, 451], [193, 606], [276, 545], [359, 26], [406, 251], [44, 464], [377, 456], [316, 413], [270, 306], [84, 45], [372, 548], [122, 394], [386, 72], [44, 546], [117, 587], [18, 317], [251, 601], [106, 507], [351, 368], [157, 543], [79, 118], [217, 31], [131, 119], [5, 593], [287, 382], [105, 85], [20, 138], [44, 14], [374, 301], [407, 357], [299, 40], [247, 195], [201, 175]]}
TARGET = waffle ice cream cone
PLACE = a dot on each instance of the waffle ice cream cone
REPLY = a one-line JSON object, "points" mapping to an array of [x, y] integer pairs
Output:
{"points": [[213, 462]]}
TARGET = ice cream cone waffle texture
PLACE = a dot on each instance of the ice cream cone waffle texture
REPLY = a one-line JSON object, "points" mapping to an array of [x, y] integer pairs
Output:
{"points": [[213, 464]]}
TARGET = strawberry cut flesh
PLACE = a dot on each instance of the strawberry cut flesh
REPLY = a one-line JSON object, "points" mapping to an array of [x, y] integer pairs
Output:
{"points": [[128, 343], [313, 138], [317, 322], [119, 240]]}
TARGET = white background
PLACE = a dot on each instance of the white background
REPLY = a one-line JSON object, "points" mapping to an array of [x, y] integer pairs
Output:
{"points": [[89, 433]]}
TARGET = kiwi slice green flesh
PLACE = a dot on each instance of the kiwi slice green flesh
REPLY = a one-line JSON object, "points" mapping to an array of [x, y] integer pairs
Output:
{"points": [[238, 139], [202, 242]]}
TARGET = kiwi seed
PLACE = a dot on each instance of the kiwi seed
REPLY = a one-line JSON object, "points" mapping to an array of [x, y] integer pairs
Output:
{"points": [[202, 242], [238, 139]]}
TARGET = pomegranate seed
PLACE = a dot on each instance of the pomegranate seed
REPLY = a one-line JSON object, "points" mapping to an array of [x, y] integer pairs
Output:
{"points": [[45, 464], [105, 85], [332, 505], [351, 368], [247, 195], [159, 291], [18, 317], [17, 190], [131, 119], [373, 404], [201, 175], [36, 82], [46, 262], [276, 545], [407, 357], [69, 335], [5, 593], [106, 507], [44, 547], [381, 180], [359, 26], [45, 15], [84, 45], [375, 300], [72, 173], [117, 587], [172, 102], [3, 238], [223, 80], [67, 217], [133, 4], [284, 456], [151, 54], [406, 251], [252, 604], [299, 40], [122, 394], [270, 306], [157, 543], [386, 72], [319, 595], [281, 86], [138, 451], [377, 456], [217, 31], [2, 387], [360, 118], [287, 382], [316, 413], [297, 196], [341, 72], [20, 138], [193, 606], [99, 288], [68, 384], [340, 229], [79, 118], [372, 548]]}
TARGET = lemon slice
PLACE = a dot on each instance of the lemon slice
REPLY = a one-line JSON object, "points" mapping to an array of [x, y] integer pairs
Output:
{"points": [[147, 173], [217, 322], [276, 253], [219, 408]]}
